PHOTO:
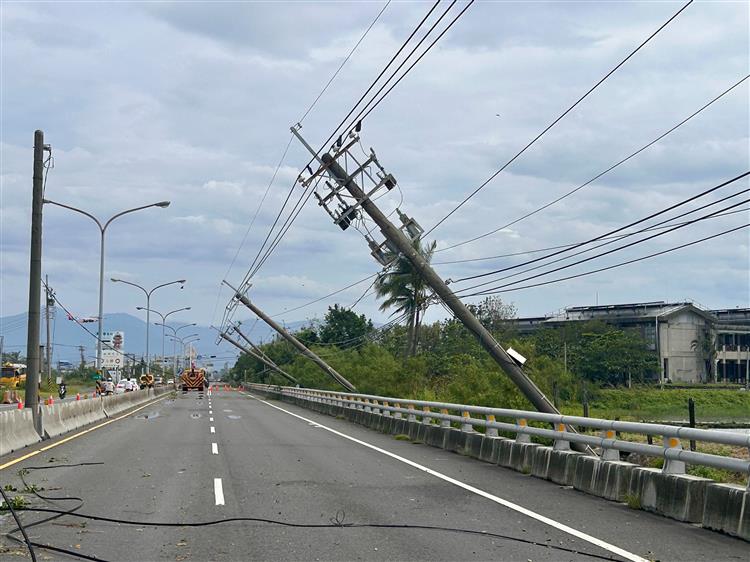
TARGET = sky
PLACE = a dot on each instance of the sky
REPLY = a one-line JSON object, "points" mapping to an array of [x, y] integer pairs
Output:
{"points": [[192, 103]]}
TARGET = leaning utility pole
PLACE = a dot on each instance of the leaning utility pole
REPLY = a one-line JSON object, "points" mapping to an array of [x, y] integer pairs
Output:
{"points": [[270, 364], [35, 279], [344, 213], [330, 371], [257, 350]]}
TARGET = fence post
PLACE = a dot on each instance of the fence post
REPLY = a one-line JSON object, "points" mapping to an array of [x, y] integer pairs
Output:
{"points": [[444, 423], [691, 416], [560, 444], [411, 417], [672, 466], [607, 453], [466, 427], [491, 431], [522, 437], [397, 415], [386, 413], [426, 419]]}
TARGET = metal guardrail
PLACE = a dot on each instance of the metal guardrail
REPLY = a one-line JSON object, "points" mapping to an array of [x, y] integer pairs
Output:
{"points": [[608, 443]]}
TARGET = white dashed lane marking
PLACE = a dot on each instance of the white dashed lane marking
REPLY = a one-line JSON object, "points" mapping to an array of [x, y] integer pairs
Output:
{"points": [[214, 449], [218, 491], [213, 429], [210, 419]]}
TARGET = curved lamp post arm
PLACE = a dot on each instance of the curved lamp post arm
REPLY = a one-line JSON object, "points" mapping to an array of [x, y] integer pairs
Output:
{"points": [[163, 319], [174, 332], [161, 204], [185, 326], [173, 311], [89, 215], [130, 283], [180, 281]]}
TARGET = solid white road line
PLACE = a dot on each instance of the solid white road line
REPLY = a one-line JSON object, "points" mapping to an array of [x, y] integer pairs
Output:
{"points": [[210, 411], [218, 491], [210, 419], [214, 449], [510, 505], [213, 429]]}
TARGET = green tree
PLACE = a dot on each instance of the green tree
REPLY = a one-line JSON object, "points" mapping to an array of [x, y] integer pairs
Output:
{"points": [[406, 292], [344, 328]]}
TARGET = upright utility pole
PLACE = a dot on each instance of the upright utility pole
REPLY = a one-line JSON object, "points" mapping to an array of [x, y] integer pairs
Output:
{"points": [[325, 367], [400, 243], [268, 363], [82, 350], [35, 279], [47, 315]]}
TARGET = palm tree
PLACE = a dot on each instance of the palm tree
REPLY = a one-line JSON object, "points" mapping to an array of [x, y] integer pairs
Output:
{"points": [[406, 291]]}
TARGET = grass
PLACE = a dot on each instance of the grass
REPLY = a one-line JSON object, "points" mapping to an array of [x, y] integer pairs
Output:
{"points": [[654, 404], [45, 391], [633, 501], [402, 437]]}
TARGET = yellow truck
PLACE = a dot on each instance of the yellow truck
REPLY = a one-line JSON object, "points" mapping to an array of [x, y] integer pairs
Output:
{"points": [[12, 374]]}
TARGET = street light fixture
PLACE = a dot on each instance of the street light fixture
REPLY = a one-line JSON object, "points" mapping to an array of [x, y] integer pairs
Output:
{"points": [[163, 325], [148, 309], [184, 340], [102, 230]]}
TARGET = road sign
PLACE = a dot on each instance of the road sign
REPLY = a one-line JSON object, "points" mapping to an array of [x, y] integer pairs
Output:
{"points": [[96, 377]]}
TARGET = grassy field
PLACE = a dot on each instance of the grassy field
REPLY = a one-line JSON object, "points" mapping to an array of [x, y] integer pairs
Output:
{"points": [[654, 404]]}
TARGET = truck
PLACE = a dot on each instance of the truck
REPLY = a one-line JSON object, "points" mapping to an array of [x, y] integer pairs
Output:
{"points": [[193, 379], [12, 375]]}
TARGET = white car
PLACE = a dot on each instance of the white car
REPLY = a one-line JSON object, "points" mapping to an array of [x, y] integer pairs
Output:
{"points": [[121, 387]]}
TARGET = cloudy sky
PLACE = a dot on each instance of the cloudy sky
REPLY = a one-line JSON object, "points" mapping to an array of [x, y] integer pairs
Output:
{"points": [[192, 102]]}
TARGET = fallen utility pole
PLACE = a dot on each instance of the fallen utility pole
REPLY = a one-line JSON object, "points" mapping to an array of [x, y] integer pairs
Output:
{"points": [[325, 367], [259, 356], [397, 242]]}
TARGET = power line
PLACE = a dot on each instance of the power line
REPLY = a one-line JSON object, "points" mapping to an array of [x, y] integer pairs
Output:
{"points": [[657, 226], [572, 244], [621, 264], [558, 119], [329, 295], [610, 233], [613, 250], [307, 193], [315, 101], [597, 176]]}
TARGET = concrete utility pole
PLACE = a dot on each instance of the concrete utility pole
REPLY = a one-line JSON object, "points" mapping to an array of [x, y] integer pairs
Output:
{"points": [[325, 367], [35, 279], [265, 359], [47, 316], [402, 244], [268, 363]]}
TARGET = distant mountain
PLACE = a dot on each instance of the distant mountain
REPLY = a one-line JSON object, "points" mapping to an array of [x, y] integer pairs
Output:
{"points": [[67, 335]]}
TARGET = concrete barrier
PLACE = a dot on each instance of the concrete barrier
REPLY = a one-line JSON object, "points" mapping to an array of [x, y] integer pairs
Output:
{"points": [[121, 402], [727, 509], [52, 421], [16, 430], [678, 496]]}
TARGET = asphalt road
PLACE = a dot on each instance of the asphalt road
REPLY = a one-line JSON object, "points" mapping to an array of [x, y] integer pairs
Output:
{"points": [[274, 461]]}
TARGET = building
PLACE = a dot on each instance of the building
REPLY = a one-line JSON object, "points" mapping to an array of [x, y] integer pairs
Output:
{"points": [[693, 344]]}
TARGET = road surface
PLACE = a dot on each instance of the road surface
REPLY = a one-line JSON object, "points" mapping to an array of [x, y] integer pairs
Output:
{"points": [[181, 460]]}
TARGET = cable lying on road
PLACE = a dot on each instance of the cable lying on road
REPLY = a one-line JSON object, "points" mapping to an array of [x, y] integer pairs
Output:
{"points": [[337, 522]]}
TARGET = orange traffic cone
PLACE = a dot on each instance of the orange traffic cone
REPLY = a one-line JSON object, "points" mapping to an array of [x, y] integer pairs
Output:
{"points": [[78, 395], [20, 405], [51, 401]]}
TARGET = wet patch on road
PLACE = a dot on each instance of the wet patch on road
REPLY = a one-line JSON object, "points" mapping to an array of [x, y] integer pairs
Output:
{"points": [[234, 417], [195, 415], [147, 416]]}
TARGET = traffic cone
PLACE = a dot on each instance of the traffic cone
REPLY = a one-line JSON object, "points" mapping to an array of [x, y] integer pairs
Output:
{"points": [[78, 395], [51, 401], [20, 405]]}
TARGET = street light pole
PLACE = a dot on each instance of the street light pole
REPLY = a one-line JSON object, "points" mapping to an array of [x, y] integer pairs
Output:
{"points": [[148, 309], [163, 326], [174, 344], [103, 230]]}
